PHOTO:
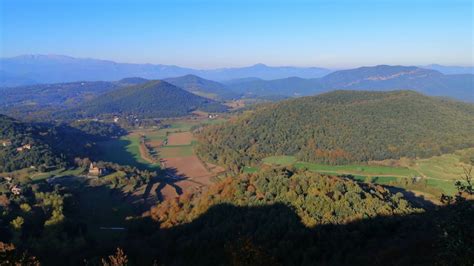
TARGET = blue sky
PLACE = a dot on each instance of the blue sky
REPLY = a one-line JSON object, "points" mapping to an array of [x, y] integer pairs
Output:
{"points": [[208, 34]]}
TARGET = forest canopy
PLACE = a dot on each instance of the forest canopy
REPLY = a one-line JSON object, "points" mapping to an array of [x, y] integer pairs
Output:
{"points": [[343, 127]]}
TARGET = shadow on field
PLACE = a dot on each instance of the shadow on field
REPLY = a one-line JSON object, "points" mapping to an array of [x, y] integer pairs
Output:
{"points": [[167, 177], [115, 150]]}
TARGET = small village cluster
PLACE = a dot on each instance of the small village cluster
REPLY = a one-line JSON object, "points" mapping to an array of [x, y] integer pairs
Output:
{"points": [[7, 143], [14, 188]]}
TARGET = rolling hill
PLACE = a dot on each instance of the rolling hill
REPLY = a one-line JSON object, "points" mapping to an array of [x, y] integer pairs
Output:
{"points": [[41, 145], [292, 87], [342, 127], [203, 87], [152, 99], [60, 94]]}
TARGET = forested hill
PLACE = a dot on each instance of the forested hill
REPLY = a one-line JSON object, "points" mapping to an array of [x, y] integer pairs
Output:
{"points": [[22, 145], [44, 146], [284, 207], [203, 87], [152, 99], [342, 127]]}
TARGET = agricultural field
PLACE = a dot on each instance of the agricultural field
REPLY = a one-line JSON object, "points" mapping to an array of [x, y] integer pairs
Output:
{"points": [[170, 148], [125, 151], [181, 163]]}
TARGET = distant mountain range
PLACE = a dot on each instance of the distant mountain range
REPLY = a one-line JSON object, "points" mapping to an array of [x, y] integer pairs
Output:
{"points": [[40, 69], [27, 99], [378, 78]]}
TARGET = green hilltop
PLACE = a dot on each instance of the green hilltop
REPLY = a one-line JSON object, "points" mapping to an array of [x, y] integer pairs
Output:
{"points": [[344, 127]]}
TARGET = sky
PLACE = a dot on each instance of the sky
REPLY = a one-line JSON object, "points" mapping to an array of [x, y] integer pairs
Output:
{"points": [[230, 33]]}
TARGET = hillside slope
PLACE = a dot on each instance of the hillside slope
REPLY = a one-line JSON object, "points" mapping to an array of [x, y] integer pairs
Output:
{"points": [[14, 135], [276, 206], [292, 86], [152, 99], [344, 126], [60, 94], [202, 87]]}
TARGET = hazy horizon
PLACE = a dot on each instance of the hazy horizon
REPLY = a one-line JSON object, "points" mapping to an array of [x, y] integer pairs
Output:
{"points": [[234, 66], [211, 34]]}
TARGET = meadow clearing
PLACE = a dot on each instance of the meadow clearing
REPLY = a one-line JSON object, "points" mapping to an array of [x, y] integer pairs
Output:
{"points": [[438, 173]]}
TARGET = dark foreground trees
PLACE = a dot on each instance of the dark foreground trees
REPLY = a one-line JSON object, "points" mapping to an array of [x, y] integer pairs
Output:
{"points": [[281, 217]]}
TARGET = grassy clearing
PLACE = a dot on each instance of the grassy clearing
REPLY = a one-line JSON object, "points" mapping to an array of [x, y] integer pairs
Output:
{"points": [[57, 173], [446, 186], [125, 151], [355, 170], [440, 172], [444, 167], [280, 160], [250, 170], [367, 170]]}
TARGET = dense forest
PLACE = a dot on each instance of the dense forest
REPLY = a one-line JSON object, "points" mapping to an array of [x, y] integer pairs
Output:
{"points": [[275, 217], [316, 199], [52, 219], [23, 145], [342, 127], [152, 99], [49, 146]]}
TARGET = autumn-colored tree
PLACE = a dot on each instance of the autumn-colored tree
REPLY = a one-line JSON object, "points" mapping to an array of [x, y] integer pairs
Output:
{"points": [[117, 259], [9, 255]]}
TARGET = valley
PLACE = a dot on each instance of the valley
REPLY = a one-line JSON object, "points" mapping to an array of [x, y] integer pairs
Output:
{"points": [[236, 133], [150, 167], [170, 149]]}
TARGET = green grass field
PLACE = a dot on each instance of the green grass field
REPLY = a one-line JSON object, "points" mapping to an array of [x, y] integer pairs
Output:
{"points": [[366, 170], [250, 170], [125, 151], [444, 167], [57, 173], [440, 172]]}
